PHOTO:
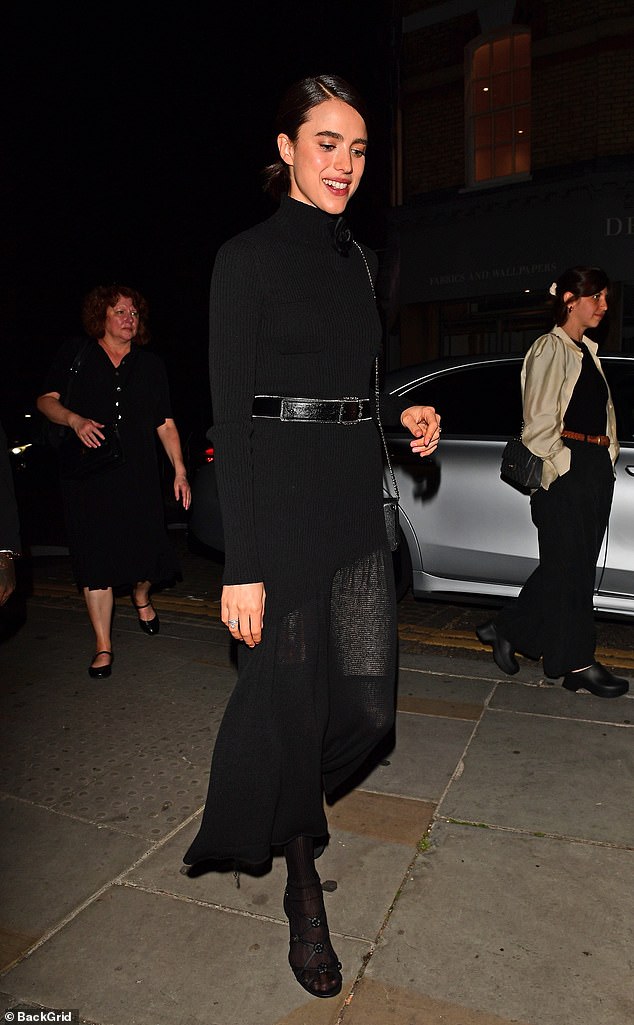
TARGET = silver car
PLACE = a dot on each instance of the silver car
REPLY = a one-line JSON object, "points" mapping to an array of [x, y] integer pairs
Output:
{"points": [[465, 532]]}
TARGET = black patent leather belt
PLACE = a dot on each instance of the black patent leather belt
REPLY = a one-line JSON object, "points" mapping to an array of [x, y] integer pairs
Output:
{"points": [[327, 411]]}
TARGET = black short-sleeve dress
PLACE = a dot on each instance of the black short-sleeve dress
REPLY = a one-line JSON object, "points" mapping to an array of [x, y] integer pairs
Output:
{"points": [[116, 521], [302, 512]]}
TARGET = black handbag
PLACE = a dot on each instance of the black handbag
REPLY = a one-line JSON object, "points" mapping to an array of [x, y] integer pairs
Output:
{"points": [[390, 504], [77, 461], [520, 467], [44, 431]]}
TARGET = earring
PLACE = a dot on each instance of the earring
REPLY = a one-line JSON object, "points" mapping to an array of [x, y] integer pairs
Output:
{"points": [[570, 309]]}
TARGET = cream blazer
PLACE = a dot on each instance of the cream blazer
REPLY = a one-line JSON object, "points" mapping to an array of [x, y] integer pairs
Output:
{"points": [[550, 371]]}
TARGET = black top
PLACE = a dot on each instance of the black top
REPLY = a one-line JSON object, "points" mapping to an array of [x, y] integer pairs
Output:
{"points": [[586, 410], [290, 315], [116, 522]]}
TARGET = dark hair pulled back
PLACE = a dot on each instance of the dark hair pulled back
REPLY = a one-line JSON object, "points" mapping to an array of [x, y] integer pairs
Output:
{"points": [[580, 281], [293, 111]]}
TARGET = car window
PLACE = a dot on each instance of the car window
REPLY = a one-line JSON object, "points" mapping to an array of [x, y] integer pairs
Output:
{"points": [[482, 400], [620, 375]]}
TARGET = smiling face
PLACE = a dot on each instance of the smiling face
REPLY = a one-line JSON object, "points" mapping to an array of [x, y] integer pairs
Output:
{"points": [[327, 160], [587, 312]]}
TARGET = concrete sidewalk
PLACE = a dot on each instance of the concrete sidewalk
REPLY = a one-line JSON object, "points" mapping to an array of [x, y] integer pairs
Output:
{"points": [[480, 875]]}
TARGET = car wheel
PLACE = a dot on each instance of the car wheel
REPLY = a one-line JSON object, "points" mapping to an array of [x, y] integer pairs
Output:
{"points": [[402, 563]]}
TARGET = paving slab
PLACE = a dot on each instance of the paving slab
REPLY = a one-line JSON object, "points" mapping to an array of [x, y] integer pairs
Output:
{"points": [[540, 774], [419, 682], [555, 701], [376, 1002], [49, 865], [477, 665], [362, 873], [382, 816], [428, 749], [135, 957], [530, 929]]}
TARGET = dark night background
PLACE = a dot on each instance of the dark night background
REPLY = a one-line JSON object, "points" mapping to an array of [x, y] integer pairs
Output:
{"points": [[134, 148]]}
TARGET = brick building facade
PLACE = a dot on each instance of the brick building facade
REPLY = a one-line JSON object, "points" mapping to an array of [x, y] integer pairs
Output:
{"points": [[513, 159]]}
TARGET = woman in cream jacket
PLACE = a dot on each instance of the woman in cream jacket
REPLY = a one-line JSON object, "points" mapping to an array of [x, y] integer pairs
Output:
{"points": [[569, 421]]}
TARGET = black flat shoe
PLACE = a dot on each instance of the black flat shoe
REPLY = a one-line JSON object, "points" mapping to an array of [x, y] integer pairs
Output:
{"points": [[100, 672], [502, 651], [598, 680], [149, 626], [316, 967]]}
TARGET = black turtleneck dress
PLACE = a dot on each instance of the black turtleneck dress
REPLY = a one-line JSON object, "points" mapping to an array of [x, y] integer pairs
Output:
{"points": [[302, 512]]}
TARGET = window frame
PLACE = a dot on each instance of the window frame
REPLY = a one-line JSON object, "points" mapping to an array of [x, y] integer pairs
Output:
{"points": [[466, 394], [509, 32]]}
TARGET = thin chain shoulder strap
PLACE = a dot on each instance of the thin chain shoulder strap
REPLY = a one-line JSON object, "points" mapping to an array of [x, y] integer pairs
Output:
{"points": [[376, 387]]}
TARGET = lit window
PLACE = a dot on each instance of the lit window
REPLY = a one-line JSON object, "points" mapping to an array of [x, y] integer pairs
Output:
{"points": [[498, 105]]}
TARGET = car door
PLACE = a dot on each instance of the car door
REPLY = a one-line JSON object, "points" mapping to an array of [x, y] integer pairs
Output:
{"points": [[474, 531], [615, 571]]}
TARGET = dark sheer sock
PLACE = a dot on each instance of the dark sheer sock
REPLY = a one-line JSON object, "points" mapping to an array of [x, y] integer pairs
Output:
{"points": [[311, 956], [300, 861]]}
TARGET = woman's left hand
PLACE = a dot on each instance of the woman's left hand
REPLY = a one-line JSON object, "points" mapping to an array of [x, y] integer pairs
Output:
{"points": [[424, 423], [182, 490]]}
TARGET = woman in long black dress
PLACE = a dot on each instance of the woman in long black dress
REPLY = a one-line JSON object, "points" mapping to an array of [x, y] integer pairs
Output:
{"points": [[115, 520], [294, 335]]}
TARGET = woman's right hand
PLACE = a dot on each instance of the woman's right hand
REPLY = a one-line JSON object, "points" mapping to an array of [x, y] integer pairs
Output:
{"points": [[242, 611], [87, 431]]}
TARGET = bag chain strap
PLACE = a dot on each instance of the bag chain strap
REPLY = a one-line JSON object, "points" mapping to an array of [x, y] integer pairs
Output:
{"points": [[376, 388]]}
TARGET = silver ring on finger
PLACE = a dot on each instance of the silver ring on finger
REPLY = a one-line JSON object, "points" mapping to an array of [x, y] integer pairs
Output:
{"points": [[232, 623]]}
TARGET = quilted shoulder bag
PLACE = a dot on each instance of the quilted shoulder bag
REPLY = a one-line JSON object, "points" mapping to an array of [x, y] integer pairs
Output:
{"points": [[519, 466]]}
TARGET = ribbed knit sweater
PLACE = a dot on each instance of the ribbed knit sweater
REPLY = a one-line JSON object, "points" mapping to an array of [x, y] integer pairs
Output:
{"points": [[292, 316]]}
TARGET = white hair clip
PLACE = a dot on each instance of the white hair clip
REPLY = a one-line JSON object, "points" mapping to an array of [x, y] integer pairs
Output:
{"points": [[553, 288]]}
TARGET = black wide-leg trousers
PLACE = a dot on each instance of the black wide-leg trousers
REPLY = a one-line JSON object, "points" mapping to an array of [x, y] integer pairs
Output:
{"points": [[553, 617]]}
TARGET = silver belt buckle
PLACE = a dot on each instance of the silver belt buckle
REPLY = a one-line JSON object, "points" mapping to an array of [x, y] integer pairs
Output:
{"points": [[344, 401]]}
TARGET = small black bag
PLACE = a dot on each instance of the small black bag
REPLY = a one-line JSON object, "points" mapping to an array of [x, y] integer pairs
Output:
{"points": [[390, 504], [520, 466], [77, 461], [390, 511], [44, 431]]}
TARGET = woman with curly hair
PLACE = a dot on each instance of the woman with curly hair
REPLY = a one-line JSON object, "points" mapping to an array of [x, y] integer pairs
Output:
{"points": [[115, 518]]}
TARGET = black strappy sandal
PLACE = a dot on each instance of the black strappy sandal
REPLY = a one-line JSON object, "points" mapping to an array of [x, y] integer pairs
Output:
{"points": [[311, 932]]}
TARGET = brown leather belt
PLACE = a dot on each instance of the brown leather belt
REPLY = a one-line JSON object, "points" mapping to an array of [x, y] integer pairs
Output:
{"points": [[594, 439]]}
